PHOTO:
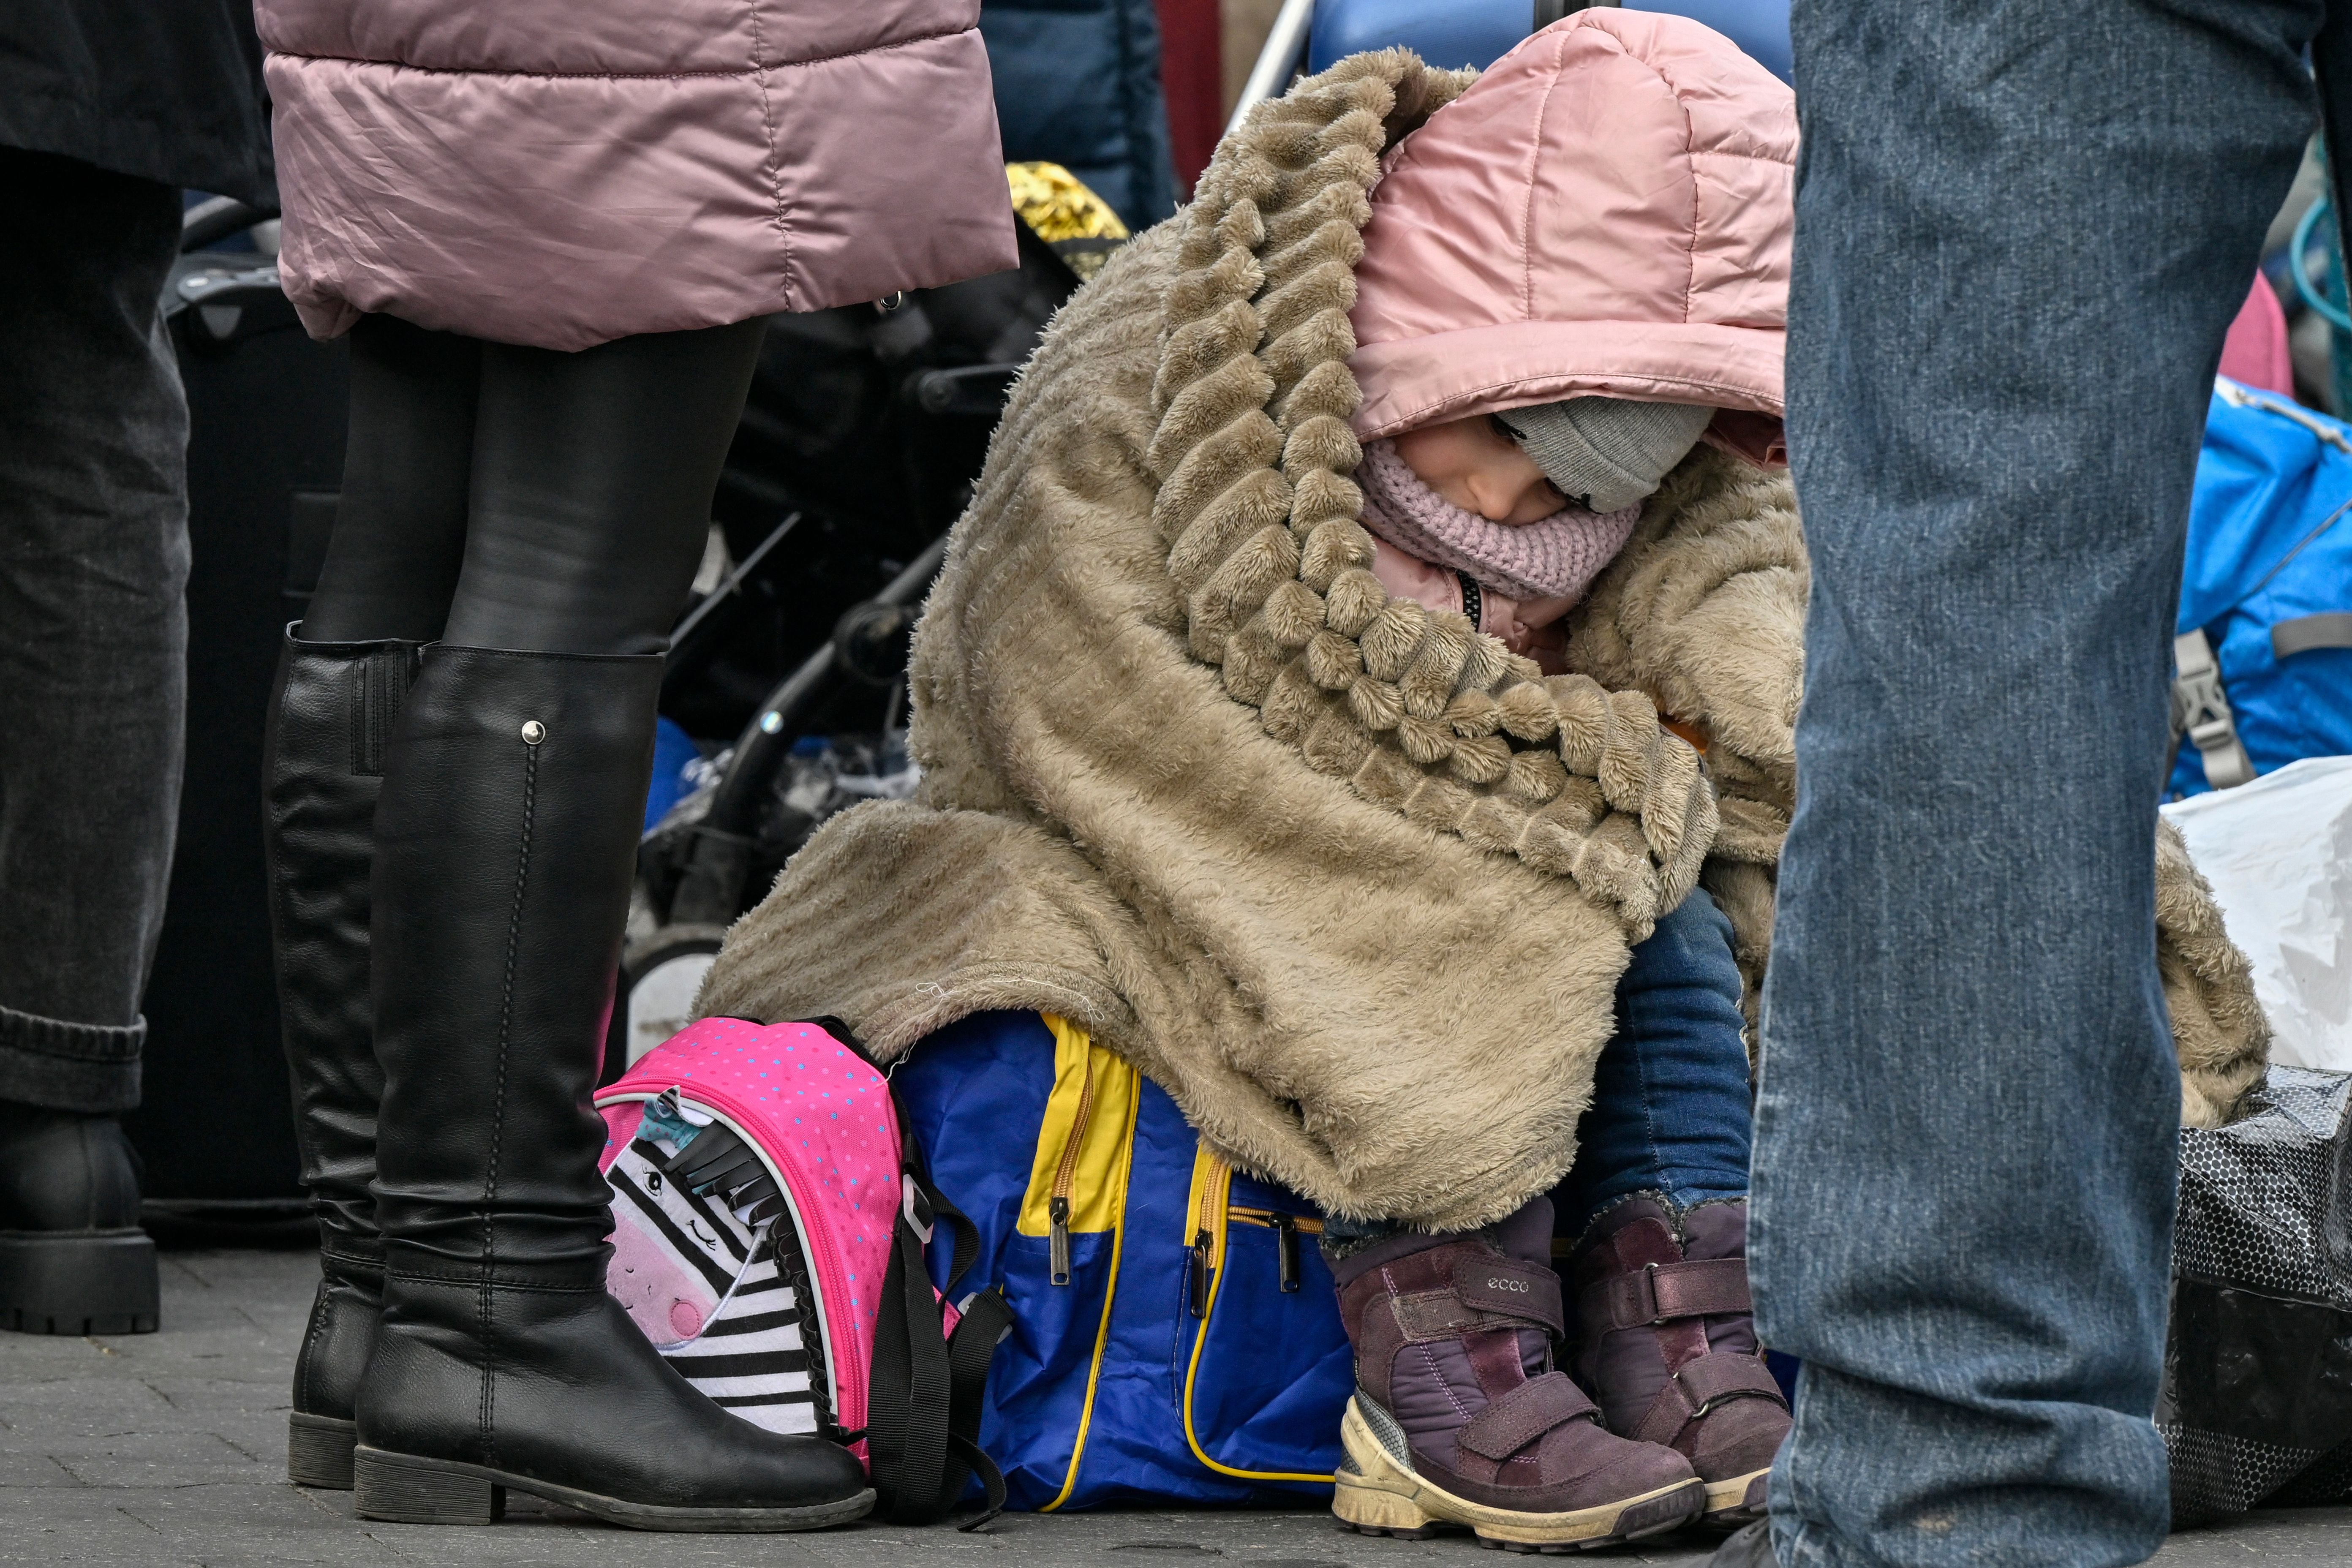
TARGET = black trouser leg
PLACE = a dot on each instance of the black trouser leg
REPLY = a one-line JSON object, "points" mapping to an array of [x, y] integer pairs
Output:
{"points": [[93, 634], [408, 463], [343, 673], [505, 844], [94, 627]]}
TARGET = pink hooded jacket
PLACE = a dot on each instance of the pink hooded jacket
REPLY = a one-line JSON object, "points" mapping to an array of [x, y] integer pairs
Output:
{"points": [[559, 173], [1606, 211]]}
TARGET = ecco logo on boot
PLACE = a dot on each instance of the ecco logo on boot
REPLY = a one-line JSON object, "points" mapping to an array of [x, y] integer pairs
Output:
{"points": [[1519, 1285]]}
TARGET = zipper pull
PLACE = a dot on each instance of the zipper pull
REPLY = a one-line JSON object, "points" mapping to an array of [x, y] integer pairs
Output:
{"points": [[1198, 1274], [1285, 1238], [1057, 1240]]}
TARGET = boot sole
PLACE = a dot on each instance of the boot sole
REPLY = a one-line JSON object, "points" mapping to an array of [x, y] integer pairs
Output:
{"points": [[101, 1283], [319, 1451], [1376, 1495], [401, 1488], [1738, 1501]]}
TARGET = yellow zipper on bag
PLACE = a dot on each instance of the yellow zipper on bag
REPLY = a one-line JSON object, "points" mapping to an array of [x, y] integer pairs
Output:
{"points": [[1079, 1182], [1205, 1212], [1210, 1214], [1090, 1120], [1057, 1200]]}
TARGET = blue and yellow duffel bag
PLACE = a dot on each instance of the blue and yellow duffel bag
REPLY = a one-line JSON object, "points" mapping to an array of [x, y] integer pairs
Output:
{"points": [[1175, 1334]]}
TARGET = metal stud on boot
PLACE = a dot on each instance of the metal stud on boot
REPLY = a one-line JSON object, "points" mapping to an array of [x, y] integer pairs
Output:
{"points": [[1459, 1417], [1666, 1342]]}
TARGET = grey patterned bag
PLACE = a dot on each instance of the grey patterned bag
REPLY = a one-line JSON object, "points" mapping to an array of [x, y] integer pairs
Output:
{"points": [[2257, 1401]]}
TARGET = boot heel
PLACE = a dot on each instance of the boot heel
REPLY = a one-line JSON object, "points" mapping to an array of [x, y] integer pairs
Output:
{"points": [[101, 1283], [400, 1490], [319, 1451], [1377, 1512]]}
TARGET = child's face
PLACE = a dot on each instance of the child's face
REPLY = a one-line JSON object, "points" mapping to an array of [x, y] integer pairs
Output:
{"points": [[1473, 464]]}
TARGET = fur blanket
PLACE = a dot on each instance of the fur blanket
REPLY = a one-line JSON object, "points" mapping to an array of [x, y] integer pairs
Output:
{"points": [[1335, 871]]}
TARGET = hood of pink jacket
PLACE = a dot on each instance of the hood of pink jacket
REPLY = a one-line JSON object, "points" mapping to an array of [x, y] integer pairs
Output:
{"points": [[1607, 210]]}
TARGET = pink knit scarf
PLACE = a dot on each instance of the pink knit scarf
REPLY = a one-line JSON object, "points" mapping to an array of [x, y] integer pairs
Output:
{"points": [[1553, 558]]}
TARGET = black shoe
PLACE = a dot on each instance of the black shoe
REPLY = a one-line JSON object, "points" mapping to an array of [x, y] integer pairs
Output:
{"points": [[331, 721], [1749, 1546], [506, 841], [72, 1257]]}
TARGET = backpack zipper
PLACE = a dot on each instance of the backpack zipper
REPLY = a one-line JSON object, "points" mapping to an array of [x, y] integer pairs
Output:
{"points": [[1118, 1089], [1213, 1215], [1057, 1204], [1287, 1228], [1214, 1186]]}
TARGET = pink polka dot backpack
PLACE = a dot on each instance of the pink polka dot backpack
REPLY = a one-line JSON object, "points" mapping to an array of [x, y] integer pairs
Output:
{"points": [[769, 1227]]}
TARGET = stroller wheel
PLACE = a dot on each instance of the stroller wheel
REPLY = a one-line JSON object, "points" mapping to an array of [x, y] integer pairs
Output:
{"points": [[654, 997]]}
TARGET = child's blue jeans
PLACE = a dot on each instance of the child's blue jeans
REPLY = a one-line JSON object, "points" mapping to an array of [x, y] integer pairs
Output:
{"points": [[1670, 1107]]}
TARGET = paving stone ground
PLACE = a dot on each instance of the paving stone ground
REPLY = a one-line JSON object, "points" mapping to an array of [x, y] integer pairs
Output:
{"points": [[159, 1450]]}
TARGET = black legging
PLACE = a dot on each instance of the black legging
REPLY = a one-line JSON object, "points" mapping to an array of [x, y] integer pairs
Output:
{"points": [[517, 498]]}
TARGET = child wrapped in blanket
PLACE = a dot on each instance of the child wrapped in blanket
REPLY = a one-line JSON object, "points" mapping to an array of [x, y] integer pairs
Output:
{"points": [[1504, 466], [1216, 767]]}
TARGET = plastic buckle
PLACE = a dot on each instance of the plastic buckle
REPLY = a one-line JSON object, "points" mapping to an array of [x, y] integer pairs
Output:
{"points": [[2208, 732], [916, 1207], [2198, 701]]}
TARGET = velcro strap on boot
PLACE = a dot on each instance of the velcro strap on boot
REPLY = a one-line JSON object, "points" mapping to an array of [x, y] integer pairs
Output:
{"points": [[1524, 1415], [1701, 1383], [1661, 1292]]}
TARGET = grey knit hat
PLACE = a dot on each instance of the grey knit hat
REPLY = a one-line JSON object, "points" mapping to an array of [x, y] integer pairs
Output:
{"points": [[1607, 452]]}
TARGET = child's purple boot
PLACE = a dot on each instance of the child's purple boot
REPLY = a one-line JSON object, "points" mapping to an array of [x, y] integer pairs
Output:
{"points": [[1459, 1416], [1666, 1342]]}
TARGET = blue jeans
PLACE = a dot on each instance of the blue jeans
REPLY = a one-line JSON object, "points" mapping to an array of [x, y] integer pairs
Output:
{"points": [[2021, 233], [1669, 1112]]}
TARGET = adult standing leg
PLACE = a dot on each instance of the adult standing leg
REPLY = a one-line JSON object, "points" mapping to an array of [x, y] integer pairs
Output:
{"points": [[343, 674], [93, 679], [505, 837], [2021, 232]]}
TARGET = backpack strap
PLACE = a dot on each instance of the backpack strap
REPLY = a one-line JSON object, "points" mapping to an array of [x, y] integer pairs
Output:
{"points": [[2304, 632], [987, 1318], [925, 1394], [2200, 710]]}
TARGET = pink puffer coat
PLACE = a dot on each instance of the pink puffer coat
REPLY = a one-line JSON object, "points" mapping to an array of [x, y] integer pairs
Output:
{"points": [[559, 173]]}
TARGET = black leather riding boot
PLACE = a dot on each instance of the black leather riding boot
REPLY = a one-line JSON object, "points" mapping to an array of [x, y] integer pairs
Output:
{"points": [[505, 846], [331, 720]]}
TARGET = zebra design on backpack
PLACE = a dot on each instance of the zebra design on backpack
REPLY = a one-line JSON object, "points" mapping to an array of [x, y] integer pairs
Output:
{"points": [[770, 1219]]}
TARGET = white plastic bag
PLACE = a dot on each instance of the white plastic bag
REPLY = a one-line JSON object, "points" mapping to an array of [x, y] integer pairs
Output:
{"points": [[2279, 854]]}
